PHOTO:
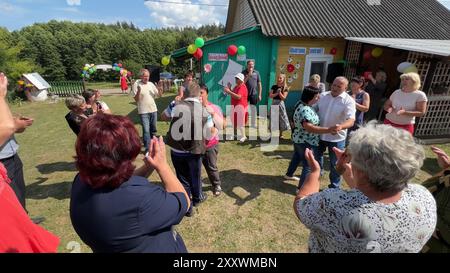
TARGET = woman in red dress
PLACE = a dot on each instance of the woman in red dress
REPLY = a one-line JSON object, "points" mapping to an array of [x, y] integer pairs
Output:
{"points": [[18, 234], [124, 84], [239, 101]]}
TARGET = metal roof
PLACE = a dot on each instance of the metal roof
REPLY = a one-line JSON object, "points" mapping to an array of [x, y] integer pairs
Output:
{"points": [[408, 19], [436, 47]]}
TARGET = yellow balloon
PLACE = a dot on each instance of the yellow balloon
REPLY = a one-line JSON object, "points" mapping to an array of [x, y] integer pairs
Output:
{"points": [[377, 52], [165, 60], [411, 69], [191, 49]]}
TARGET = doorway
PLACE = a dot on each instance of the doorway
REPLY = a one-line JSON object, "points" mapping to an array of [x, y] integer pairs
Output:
{"points": [[316, 64]]}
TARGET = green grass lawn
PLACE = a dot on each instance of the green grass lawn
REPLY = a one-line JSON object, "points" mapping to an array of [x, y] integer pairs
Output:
{"points": [[254, 214]]}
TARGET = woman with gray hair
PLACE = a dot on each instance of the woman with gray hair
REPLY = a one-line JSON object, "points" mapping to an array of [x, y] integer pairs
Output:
{"points": [[382, 211], [78, 112]]}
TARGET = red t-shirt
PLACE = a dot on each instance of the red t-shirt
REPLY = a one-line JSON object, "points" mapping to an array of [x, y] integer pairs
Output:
{"points": [[18, 234], [240, 90]]}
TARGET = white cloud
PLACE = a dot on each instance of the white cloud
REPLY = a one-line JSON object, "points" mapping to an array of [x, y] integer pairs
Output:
{"points": [[73, 2], [176, 15]]}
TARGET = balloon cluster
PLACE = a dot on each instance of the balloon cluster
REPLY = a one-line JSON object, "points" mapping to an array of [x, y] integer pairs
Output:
{"points": [[406, 67], [195, 49], [119, 68], [375, 53], [88, 70], [232, 50]]}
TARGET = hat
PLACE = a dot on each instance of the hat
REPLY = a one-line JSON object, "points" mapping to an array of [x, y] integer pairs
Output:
{"points": [[240, 76]]}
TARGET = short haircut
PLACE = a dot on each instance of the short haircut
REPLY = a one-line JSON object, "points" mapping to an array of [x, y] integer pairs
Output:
{"points": [[192, 90], [88, 94], [414, 77], [250, 61], [314, 78], [106, 147], [74, 101], [204, 87], [358, 80], [309, 93], [382, 74], [389, 156], [189, 73], [142, 71]]}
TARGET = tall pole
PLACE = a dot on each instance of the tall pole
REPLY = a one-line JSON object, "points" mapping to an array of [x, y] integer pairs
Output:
{"points": [[192, 64]]}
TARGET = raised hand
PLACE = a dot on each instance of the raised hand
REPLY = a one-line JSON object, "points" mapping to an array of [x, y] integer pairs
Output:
{"points": [[312, 162], [156, 156], [343, 161], [3, 85], [442, 158]]}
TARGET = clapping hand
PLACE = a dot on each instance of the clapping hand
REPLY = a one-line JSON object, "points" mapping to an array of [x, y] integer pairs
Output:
{"points": [[442, 158], [343, 164], [312, 162], [3, 85], [156, 156], [401, 111], [21, 123]]}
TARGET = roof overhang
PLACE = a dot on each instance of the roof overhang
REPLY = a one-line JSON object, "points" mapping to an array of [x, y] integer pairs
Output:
{"points": [[435, 47]]}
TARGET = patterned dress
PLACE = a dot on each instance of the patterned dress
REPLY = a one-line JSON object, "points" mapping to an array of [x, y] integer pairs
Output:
{"points": [[305, 113], [348, 222]]}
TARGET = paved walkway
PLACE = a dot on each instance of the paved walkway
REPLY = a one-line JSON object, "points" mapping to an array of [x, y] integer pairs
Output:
{"points": [[108, 92]]}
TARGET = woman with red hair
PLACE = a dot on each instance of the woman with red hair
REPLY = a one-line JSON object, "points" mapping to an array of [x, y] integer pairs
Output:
{"points": [[113, 207], [18, 234]]}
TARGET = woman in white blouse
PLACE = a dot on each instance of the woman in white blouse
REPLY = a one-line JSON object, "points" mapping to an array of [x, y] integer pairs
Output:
{"points": [[382, 212], [406, 104]]}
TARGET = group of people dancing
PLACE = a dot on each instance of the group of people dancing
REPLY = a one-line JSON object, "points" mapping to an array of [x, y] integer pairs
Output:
{"points": [[114, 208]]}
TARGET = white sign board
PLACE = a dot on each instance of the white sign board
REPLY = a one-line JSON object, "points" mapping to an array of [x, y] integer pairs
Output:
{"points": [[37, 81], [233, 69], [297, 50]]}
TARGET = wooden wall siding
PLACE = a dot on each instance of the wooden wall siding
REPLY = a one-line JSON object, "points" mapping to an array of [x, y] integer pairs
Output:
{"points": [[286, 44], [422, 66], [352, 57], [436, 123], [244, 16], [440, 84]]}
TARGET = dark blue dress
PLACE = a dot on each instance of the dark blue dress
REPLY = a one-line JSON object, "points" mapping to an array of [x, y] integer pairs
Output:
{"points": [[137, 217]]}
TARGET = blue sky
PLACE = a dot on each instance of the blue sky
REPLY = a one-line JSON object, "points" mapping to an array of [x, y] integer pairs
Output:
{"points": [[15, 14]]}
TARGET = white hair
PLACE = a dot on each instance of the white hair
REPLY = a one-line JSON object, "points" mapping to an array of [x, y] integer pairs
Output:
{"points": [[389, 157]]}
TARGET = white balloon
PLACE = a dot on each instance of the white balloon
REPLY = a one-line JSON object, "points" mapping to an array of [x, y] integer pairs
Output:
{"points": [[401, 67]]}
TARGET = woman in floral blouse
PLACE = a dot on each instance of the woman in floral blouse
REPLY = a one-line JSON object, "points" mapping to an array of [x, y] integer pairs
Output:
{"points": [[305, 134], [382, 212]]}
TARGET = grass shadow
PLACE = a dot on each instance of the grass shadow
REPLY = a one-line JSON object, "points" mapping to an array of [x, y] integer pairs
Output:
{"points": [[56, 167], [59, 191], [253, 184]]}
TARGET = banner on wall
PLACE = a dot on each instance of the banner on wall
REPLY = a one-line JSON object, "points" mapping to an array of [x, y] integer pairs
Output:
{"points": [[241, 58], [297, 51], [217, 57]]}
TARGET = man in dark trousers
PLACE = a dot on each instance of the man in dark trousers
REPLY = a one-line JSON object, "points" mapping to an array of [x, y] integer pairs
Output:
{"points": [[254, 87], [187, 141]]}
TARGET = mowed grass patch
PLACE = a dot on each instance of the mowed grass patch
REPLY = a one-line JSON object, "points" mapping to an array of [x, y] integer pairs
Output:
{"points": [[254, 213]]}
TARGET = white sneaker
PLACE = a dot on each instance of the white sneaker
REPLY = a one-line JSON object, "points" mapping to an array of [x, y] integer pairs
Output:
{"points": [[294, 178], [243, 139]]}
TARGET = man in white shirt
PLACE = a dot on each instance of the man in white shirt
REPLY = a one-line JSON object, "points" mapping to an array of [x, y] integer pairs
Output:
{"points": [[336, 109], [145, 93]]}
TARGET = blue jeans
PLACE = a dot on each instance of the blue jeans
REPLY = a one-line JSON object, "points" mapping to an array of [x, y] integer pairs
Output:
{"points": [[335, 177], [299, 157], [148, 122]]}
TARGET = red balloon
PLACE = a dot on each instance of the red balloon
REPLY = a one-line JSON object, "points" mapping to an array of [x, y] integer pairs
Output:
{"points": [[290, 68], [198, 54], [333, 51], [232, 50], [120, 65], [367, 55]]}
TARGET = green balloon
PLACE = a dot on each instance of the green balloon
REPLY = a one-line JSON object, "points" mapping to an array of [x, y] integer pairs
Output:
{"points": [[242, 50], [199, 42]]}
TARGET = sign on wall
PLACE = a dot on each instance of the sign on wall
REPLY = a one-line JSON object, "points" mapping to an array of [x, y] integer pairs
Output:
{"points": [[317, 50], [218, 57], [297, 50]]}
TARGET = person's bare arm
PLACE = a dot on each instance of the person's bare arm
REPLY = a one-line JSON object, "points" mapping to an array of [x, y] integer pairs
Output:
{"points": [[310, 128], [312, 183], [421, 110], [7, 127], [231, 93], [364, 107], [138, 94], [260, 91], [388, 106]]}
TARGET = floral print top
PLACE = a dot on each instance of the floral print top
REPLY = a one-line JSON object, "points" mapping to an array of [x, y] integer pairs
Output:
{"points": [[348, 222], [300, 135]]}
